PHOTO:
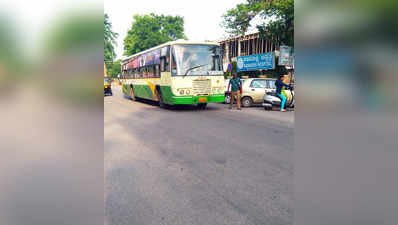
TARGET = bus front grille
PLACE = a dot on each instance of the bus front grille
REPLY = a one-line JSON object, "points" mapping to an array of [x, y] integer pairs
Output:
{"points": [[201, 87]]}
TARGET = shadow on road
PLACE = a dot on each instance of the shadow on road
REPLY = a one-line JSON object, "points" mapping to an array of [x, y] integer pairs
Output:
{"points": [[189, 108], [176, 108]]}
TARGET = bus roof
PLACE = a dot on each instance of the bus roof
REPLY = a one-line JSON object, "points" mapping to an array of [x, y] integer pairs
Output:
{"points": [[180, 41]]}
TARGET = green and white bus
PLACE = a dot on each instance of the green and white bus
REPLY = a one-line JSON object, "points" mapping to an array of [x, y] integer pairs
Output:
{"points": [[177, 72]]}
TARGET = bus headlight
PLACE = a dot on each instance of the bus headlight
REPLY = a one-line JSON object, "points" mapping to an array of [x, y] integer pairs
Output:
{"points": [[185, 91]]}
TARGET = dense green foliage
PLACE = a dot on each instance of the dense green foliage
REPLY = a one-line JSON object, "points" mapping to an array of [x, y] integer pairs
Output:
{"points": [[151, 30], [278, 17], [113, 69], [109, 40]]}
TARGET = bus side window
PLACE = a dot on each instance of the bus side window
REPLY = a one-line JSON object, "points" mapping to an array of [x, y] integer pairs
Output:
{"points": [[150, 71], [165, 59], [143, 74], [164, 64], [173, 64], [157, 71]]}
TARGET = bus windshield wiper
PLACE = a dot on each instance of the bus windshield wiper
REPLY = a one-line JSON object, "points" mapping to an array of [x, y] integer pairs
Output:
{"points": [[195, 67]]}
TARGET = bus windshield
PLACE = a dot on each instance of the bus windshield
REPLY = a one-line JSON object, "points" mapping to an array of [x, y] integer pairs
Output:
{"points": [[196, 60]]}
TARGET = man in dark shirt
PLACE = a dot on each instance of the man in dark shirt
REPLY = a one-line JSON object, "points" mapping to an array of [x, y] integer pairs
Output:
{"points": [[236, 85]]}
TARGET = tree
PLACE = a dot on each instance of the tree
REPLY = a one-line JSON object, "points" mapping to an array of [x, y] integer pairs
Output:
{"points": [[113, 69], [109, 40], [148, 31], [278, 17]]}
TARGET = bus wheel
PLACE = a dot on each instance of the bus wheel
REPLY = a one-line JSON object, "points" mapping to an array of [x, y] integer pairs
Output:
{"points": [[202, 105], [132, 96], [160, 97]]}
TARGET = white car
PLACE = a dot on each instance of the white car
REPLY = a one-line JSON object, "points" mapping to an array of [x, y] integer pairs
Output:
{"points": [[253, 91]]}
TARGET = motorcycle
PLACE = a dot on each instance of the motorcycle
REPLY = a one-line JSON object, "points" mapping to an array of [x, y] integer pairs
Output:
{"points": [[271, 100]]}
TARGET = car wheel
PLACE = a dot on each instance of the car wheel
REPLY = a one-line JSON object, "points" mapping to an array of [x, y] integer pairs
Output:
{"points": [[227, 99], [247, 101]]}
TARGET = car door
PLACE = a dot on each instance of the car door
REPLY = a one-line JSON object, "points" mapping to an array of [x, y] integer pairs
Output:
{"points": [[257, 90]]}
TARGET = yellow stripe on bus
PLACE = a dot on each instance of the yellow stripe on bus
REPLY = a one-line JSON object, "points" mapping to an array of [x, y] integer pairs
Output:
{"points": [[151, 86]]}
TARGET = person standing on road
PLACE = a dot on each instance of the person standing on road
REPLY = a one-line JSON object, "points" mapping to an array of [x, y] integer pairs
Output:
{"points": [[236, 85], [279, 86]]}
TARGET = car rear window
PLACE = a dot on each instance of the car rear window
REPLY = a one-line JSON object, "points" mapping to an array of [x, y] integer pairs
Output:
{"points": [[271, 84], [258, 84]]}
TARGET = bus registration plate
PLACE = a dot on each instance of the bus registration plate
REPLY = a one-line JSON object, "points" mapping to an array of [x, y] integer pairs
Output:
{"points": [[202, 99]]}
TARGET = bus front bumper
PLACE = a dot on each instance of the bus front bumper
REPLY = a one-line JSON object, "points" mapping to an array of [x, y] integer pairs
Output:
{"points": [[187, 100]]}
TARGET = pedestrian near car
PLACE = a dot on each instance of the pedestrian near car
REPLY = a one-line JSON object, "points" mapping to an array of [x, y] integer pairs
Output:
{"points": [[236, 85], [279, 86]]}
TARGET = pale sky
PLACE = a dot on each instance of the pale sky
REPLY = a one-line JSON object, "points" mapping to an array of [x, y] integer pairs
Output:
{"points": [[33, 18], [202, 18]]}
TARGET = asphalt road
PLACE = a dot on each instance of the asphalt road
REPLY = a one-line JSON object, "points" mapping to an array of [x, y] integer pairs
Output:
{"points": [[196, 167]]}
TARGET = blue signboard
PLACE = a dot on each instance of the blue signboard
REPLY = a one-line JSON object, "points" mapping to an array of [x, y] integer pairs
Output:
{"points": [[264, 61]]}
